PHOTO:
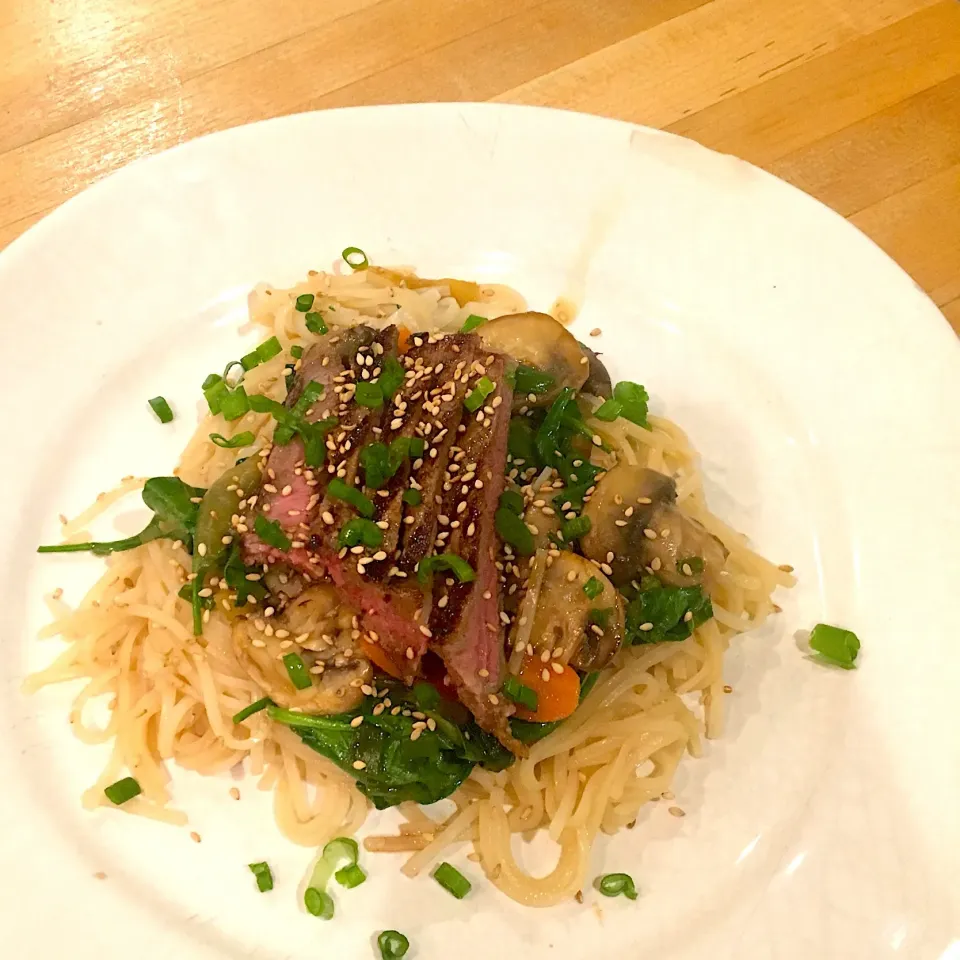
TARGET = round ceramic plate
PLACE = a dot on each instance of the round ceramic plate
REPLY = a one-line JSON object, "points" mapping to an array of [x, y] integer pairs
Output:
{"points": [[820, 385]]}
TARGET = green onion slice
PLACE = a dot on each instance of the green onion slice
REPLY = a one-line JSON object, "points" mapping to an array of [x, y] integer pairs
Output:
{"points": [[472, 322], [393, 945], [369, 394], [235, 404], [474, 401], [835, 645], [315, 323], [575, 528], [122, 791], [318, 903], [243, 439], [297, 671], [593, 588], [250, 710], [305, 302], [355, 258], [514, 531], [615, 884], [350, 876], [263, 874], [161, 408], [342, 491], [452, 880], [296, 351], [412, 497], [520, 693], [270, 532], [445, 561], [359, 531], [532, 380]]}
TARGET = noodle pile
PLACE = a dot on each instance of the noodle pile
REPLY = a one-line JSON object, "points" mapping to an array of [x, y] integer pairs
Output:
{"points": [[170, 696]]}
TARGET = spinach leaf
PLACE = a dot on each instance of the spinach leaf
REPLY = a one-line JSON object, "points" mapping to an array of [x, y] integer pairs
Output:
{"points": [[174, 517], [665, 608], [395, 767]]}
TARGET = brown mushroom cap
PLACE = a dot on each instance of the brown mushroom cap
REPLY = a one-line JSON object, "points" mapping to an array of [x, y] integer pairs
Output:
{"points": [[538, 340]]}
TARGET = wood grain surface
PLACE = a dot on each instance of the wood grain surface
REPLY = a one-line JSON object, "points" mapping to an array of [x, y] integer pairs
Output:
{"points": [[855, 101]]}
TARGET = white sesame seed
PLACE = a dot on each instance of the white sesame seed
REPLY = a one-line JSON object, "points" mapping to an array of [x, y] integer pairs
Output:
{"points": [[620, 523], [688, 616], [358, 765], [409, 653], [557, 667], [646, 626], [356, 721], [650, 534], [545, 674]]}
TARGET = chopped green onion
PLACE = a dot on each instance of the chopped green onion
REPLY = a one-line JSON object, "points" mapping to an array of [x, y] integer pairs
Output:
{"points": [[614, 884], [228, 369], [575, 528], [514, 531], [296, 351], [315, 323], [835, 645], [265, 351], [368, 394], [417, 446], [472, 322], [520, 693], [485, 386], [351, 876], [609, 410], [304, 302], [532, 380], [452, 880], [359, 531], [694, 563], [363, 505], [445, 561], [412, 497], [380, 463], [211, 379], [253, 708], [215, 393], [243, 439], [297, 671], [391, 376], [318, 903], [593, 588], [341, 848], [264, 877], [122, 791], [393, 945], [512, 501], [355, 258], [161, 408], [235, 404], [271, 533]]}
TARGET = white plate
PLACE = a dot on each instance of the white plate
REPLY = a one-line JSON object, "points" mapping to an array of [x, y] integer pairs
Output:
{"points": [[821, 386]]}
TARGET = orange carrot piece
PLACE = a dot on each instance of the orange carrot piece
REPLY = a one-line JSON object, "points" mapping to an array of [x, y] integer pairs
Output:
{"points": [[557, 697]]}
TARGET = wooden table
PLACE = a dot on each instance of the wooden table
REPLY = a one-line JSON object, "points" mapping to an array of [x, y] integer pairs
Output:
{"points": [[855, 101]]}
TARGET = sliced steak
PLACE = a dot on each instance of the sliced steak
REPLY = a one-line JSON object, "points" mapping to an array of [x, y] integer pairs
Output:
{"points": [[459, 477], [465, 617]]}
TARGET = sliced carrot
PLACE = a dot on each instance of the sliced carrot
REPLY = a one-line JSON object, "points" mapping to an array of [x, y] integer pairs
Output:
{"points": [[403, 340], [557, 696], [380, 658]]}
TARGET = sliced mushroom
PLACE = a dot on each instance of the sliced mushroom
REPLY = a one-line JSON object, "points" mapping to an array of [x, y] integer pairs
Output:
{"points": [[598, 382], [318, 629], [538, 340], [636, 528], [544, 519], [568, 624]]}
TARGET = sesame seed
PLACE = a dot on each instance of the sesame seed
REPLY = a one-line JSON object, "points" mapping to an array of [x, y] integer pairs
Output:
{"points": [[727, 688], [545, 675], [493, 698], [655, 564], [595, 332], [620, 523], [545, 656], [194, 836], [358, 765], [646, 626], [665, 532], [356, 721], [644, 500], [688, 616], [557, 667], [607, 569], [650, 534], [409, 653], [202, 549], [235, 793], [676, 812], [425, 630], [597, 442]]}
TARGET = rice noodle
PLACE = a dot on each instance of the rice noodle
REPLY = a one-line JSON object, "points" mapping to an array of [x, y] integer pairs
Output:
{"points": [[165, 695]]}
